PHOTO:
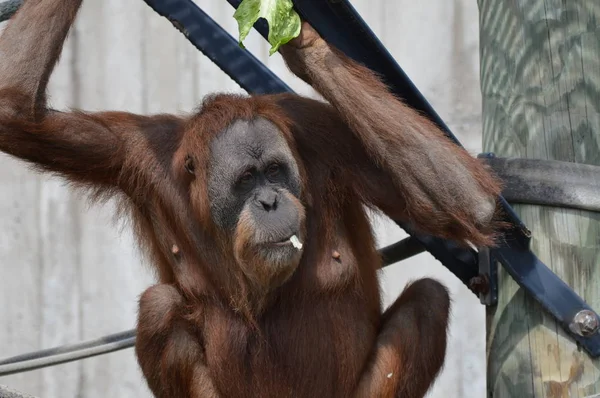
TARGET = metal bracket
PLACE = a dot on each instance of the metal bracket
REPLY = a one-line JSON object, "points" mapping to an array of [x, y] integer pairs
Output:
{"points": [[554, 295], [486, 284], [548, 182]]}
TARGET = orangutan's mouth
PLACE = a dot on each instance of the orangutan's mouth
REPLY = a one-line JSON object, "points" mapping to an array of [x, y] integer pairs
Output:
{"points": [[290, 240], [282, 242]]}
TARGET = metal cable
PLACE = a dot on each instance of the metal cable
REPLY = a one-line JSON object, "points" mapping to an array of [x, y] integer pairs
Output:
{"points": [[67, 353], [8, 9]]}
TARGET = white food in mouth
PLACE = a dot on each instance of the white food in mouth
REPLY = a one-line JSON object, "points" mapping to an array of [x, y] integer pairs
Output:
{"points": [[296, 242]]}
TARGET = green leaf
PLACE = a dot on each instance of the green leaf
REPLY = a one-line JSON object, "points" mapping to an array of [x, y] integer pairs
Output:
{"points": [[284, 22]]}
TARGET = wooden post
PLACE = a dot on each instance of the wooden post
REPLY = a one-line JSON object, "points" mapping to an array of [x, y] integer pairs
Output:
{"points": [[540, 81]]}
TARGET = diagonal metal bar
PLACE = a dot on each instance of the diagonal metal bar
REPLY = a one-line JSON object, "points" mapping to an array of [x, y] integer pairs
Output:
{"points": [[219, 46]]}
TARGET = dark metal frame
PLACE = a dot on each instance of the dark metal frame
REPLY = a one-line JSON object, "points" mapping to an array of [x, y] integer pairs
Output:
{"points": [[339, 23]]}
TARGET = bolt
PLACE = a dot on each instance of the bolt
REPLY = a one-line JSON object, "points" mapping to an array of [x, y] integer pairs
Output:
{"points": [[585, 323], [479, 284]]}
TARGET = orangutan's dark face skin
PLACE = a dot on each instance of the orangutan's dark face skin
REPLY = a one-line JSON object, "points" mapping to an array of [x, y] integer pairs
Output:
{"points": [[253, 188]]}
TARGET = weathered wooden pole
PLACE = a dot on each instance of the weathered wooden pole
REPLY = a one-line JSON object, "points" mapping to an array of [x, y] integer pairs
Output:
{"points": [[540, 81]]}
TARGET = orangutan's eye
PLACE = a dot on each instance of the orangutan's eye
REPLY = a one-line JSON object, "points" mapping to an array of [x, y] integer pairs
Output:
{"points": [[273, 170], [246, 179]]}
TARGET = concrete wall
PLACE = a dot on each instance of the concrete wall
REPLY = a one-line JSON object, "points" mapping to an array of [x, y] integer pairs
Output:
{"points": [[69, 273]]}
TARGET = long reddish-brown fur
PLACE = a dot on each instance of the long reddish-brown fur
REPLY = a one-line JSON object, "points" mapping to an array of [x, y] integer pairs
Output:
{"points": [[206, 330]]}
